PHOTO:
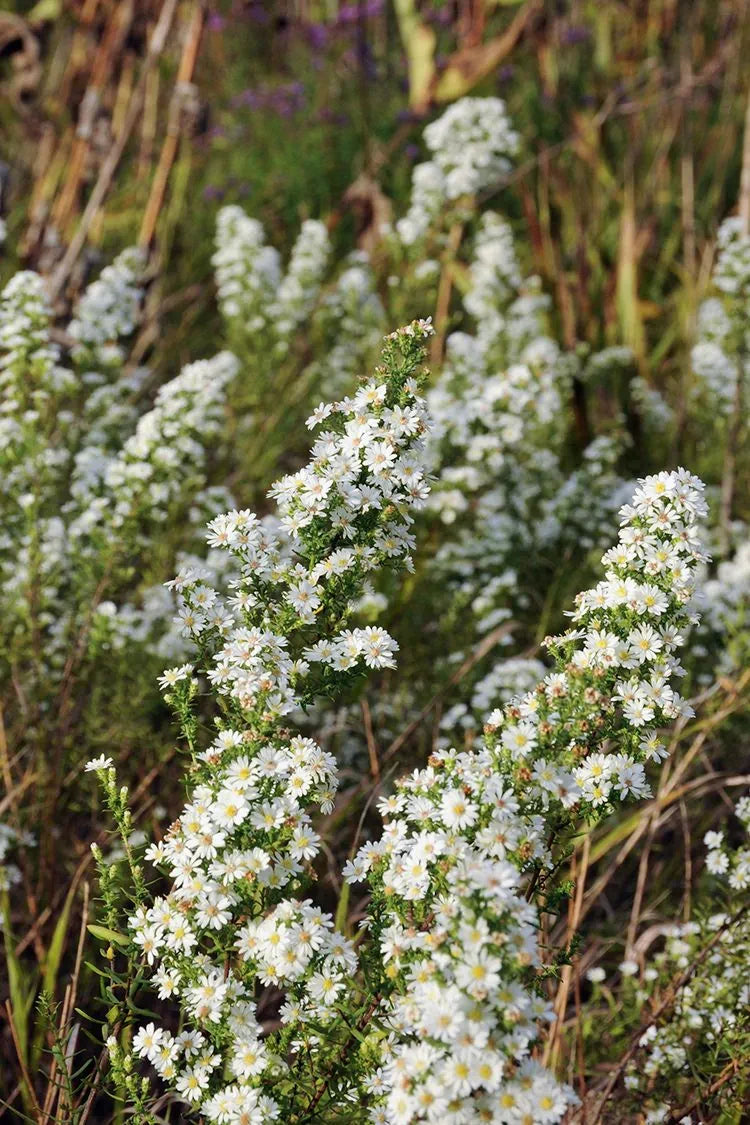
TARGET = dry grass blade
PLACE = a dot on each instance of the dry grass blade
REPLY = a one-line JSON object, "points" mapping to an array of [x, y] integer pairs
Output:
{"points": [[372, 748], [176, 110], [442, 304], [469, 65], [109, 166], [552, 1044], [28, 1086], [109, 49]]}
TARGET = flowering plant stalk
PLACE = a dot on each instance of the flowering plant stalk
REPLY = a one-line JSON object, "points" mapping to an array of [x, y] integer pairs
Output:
{"points": [[296, 335], [105, 472], [449, 976], [240, 855], [470, 857]]}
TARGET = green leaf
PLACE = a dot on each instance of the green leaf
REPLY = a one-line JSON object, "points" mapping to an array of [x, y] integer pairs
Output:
{"points": [[51, 968], [342, 910], [419, 41], [45, 11], [99, 972], [21, 992], [103, 934], [57, 945]]}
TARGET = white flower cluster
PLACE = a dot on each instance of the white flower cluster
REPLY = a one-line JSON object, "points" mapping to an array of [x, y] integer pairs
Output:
{"points": [[656, 413], [10, 838], [469, 834], [498, 482], [513, 676], [487, 417], [501, 386], [241, 848], [24, 338], [294, 947], [471, 147], [299, 288], [732, 272], [501, 450], [352, 318], [267, 304], [32, 381], [654, 561], [495, 279], [727, 593], [717, 371], [509, 495], [297, 335], [708, 1017], [721, 643], [365, 472], [86, 470], [457, 940], [731, 864], [169, 443], [93, 454], [721, 355], [500, 440], [108, 311], [247, 269]]}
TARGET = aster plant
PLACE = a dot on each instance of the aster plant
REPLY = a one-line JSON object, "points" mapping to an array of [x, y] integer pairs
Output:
{"points": [[432, 1012], [240, 855]]}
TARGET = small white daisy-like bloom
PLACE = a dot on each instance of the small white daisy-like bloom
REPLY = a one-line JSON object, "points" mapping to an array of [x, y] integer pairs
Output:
{"points": [[96, 764], [456, 811]]}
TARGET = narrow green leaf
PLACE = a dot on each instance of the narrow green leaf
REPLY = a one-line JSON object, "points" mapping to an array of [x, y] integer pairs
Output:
{"points": [[342, 909], [103, 934], [21, 992]]}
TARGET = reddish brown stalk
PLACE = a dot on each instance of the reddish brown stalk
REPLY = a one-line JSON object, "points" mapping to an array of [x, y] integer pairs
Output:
{"points": [[21, 1060], [552, 1046], [445, 288], [372, 747]]}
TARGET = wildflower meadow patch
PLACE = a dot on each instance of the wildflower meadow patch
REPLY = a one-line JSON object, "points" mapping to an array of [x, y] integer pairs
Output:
{"points": [[374, 681]]}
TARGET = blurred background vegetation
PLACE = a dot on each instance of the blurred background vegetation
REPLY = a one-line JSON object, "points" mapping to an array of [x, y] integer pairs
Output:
{"points": [[129, 121]]}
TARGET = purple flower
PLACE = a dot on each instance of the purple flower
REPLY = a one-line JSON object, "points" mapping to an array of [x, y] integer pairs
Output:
{"points": [[332, 117], [352, 13], [317, 36], [576, 34], [258, 13]]}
